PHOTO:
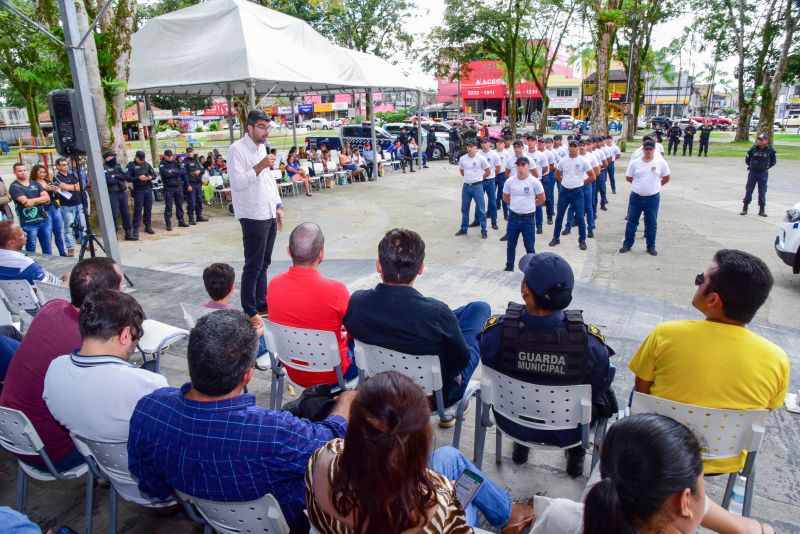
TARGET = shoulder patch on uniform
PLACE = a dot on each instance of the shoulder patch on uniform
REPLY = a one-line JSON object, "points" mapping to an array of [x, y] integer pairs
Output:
{"points": [[593, 330], [490, 322]]}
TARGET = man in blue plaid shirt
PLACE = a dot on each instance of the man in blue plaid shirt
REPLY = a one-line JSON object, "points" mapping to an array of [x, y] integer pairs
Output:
{"points": [[210, 441]]}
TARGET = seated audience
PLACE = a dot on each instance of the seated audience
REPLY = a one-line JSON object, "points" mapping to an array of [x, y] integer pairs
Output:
{"points": [[361, 163], [220, 281], [396, 316], [92, 391], [347, 163], [297, 173], [14, 265], [406, 489], [303, 298], [219, 164], [717, 362], [314, 156], [544, 326], [412, 144], [369, 160], [302, 154], [53, 333], [209, 440]]}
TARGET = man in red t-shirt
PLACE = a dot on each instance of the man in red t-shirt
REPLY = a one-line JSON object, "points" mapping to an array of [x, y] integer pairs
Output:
{"points": [[303, 298], [54, 332]]}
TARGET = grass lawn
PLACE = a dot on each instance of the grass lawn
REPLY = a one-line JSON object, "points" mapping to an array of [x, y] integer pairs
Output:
{"points": [[738, 149]]}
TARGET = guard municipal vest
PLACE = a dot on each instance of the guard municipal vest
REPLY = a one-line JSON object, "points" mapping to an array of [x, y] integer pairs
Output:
{"points": [[555, 357]]}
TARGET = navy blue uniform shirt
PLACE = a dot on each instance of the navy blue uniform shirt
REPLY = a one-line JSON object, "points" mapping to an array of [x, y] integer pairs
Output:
{"points": [[760, 159]]}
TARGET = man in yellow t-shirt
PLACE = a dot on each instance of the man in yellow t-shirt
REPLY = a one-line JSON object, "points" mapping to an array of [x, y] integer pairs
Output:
{"points": [[718, 362]]}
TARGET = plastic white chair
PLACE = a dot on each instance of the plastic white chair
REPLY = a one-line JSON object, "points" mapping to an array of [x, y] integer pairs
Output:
{"points": [[319, 170], [535, 406], [312, 351], [722, 434], [47, 292], [262, 515], [424, 370], [109, 461], [5, 314], [18, 436], [21, 300], [283, 184], [192, 314], [157, 338]]}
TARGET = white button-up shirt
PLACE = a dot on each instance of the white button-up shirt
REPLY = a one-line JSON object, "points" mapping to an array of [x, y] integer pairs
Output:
{"points": [[254, 196]]}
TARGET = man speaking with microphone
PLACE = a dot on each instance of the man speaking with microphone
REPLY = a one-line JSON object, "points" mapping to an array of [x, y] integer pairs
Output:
{"points": [[257, 206]]}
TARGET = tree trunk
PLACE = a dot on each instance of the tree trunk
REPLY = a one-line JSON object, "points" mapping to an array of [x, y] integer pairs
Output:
{"points": [[93, 73], [33, 117], [124, 22], [599, 122], [770, 96]]}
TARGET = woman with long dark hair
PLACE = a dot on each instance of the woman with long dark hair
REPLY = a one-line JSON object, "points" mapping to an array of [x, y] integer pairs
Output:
{"points": [[40, 175], [381, 478], [652, 481]]}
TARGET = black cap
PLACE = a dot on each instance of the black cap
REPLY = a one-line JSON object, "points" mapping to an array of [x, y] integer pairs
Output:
{"points": [[530, 136], [518, 142], [472, 142], [549, 277], [763, 136], [485, 140], [140, 154], [647, 137], [506, 138], [582, 142], [189, 149], [168, 152], [649, 144], [573, 142], [557, 136], [109, 154], [522, 161]]}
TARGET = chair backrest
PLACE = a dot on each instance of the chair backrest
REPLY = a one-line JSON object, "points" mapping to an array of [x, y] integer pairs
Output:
{"points": [[424, 370], [277, 174], [318, 168], [314, 351], [47, 292], [5, 312], [192, 314], [263, 515], [17, 434], [537, 406], [19, 294], [111, 459], [722, 433], [216, 180]]}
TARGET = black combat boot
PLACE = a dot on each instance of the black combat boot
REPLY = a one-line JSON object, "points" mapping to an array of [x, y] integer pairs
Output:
{"points": [[201, 218], [191, 219], [129, 235], [149, 230], [744, 209], [136, 232], [168, 224], [761, 212], [182, 224]]}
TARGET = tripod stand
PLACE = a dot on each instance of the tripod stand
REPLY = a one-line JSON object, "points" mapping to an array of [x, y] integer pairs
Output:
{"points": [[88, 237]]}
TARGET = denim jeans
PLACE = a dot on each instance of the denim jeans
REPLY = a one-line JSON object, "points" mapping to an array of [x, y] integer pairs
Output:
{"points": [[572, 198], [56, 227], [70, 215], [258, 238], [489, 186], [517, 225], [601, 188], [611, 181], [40, 231], [491, 500], [588, 209], [471, 192], [638, 204], [471, 318], [549, 183], [500, 181]]}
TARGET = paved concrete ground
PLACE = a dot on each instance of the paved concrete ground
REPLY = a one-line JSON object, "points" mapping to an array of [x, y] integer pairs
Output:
{"points": [[626, 295]]}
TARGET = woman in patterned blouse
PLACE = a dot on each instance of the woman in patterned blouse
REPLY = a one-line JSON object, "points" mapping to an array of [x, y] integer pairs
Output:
{"points": [[382, 476]]}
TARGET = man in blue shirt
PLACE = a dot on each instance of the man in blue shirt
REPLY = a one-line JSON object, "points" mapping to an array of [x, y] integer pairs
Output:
{"points": [[211, 441], [14, 265], [513, 344]]}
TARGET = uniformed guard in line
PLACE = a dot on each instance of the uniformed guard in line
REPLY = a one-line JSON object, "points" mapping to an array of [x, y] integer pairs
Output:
{"points": [[674, 133], [541, 342], [117, 182], [141, 174], [455, 145], [172, 176], [759, 159], [193, 175], [705, 137], [688, 138]]}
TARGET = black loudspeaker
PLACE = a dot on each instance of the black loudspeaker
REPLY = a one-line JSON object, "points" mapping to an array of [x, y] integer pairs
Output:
{"points": [[63, 105]]}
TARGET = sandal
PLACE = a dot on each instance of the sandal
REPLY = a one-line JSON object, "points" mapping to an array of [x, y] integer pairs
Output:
{"points": [[520, 524]]}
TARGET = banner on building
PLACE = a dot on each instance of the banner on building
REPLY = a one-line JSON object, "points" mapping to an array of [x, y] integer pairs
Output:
{"points": [[485, 79], [563, 102], [323, 108], [305, 108], [339, 106]]}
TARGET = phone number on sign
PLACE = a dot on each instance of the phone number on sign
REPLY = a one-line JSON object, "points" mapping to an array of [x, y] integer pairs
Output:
{"points": [[480, 93]]}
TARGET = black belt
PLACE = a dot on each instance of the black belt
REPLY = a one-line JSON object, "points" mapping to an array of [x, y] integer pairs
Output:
{"points": [[531, 214]]}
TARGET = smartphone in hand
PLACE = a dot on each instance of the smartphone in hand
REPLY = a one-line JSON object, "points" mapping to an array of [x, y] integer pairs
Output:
{"points": [[467, 486]]}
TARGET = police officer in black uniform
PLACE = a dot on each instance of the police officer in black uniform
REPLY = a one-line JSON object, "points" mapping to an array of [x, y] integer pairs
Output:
{"points": [[705, 136], [403, 138], [688, 138], [193, 175], [117, 182], [141, 174], [455, 145], [674, 133], [759, 159], [515, 342], [172, 177], [431, 140]]}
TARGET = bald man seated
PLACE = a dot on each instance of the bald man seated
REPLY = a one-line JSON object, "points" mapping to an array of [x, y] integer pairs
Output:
{"points": [[303, 298], [14, 265]]}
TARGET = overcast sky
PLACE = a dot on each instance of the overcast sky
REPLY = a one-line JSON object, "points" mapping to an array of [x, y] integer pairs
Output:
{"points": [[431, 13]]}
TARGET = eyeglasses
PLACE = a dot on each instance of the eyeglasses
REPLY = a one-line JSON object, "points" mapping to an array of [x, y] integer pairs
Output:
{"points": [[699, 279], [262, 127]]}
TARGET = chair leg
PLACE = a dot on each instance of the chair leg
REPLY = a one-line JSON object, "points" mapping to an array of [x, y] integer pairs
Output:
{"points": [[726, 498], [480, 439], [208, 530], [89, 504], [599, 434], [498, 445], [22, 489], [749, 488], [279, 392], [112, 516]]}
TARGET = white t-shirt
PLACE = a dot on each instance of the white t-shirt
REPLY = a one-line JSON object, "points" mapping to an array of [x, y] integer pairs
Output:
{"points": [[573, 171], [473, 168], [523, 193], [494, 162], [536, 160], [639, 153], [592, 159], [511, 164], [614, 150], [563, 152], [647, 175]]}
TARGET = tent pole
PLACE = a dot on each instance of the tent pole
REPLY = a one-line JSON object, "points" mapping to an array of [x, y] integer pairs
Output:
{"points": [[294, 121], [375, 147], [152, 131], [252, 87], [419, 129], [230, 116]]}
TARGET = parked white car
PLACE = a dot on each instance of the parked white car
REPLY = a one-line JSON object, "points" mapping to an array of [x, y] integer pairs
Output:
{"points": [[683, 123], [317, 123], [787, 241]]}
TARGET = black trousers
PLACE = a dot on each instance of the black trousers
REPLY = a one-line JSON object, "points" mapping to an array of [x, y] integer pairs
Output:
{"points": [[674, 143], [119, 206], [194, 199], [173, 195], [756, 178], [703, 146], [688, 142], [258, 238], [142, 201]]}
